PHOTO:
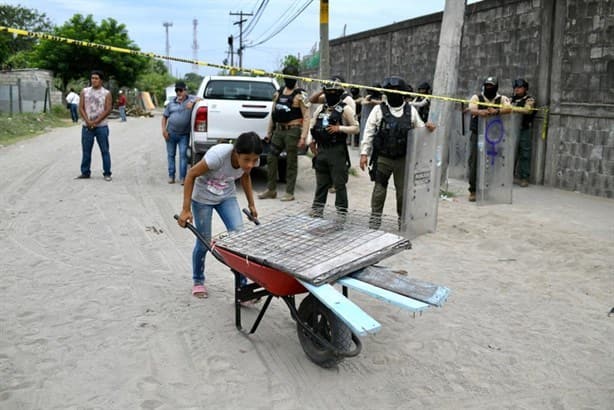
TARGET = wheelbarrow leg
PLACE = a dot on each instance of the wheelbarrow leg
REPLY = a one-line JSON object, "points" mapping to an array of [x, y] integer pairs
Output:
{"points": [[244, 293]]}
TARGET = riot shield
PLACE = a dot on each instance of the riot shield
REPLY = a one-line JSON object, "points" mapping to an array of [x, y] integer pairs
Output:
{"points": [[422, 169], [459, 148], [496, 145]]}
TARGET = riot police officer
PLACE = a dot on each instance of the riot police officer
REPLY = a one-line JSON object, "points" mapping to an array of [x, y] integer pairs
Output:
{"points": [[385, 140], [423, 104], [489, 94], [331, 123], [525, 104], [288, 129]]}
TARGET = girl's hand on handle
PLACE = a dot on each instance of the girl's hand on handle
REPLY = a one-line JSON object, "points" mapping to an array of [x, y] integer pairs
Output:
{"points": [[185, 216]]}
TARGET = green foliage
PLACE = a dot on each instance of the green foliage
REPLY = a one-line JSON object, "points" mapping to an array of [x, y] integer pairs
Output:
{"points": [[290, 60], [17, 127], [70, 61], [155, 84], [21, 18], [192, 81]]}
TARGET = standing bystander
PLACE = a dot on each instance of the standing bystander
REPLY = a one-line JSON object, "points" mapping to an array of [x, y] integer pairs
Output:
{"points": [[72, 99], [95, 105], [176, 130], [121, 104]]}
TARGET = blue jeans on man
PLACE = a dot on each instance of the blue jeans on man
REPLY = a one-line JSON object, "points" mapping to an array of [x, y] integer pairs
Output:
{"points": [[230, 213], [122, 112], [173, 141], [74, 112], [101, 135]]}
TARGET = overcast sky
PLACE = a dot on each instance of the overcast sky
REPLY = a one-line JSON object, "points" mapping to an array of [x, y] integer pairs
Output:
{"points": [[144, 21]]}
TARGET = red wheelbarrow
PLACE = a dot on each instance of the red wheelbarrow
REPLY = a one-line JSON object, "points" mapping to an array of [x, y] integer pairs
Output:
{"points": [[297, 253]]}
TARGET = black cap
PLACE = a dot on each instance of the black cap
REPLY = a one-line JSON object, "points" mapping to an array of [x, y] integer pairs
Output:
{"points": [[180, 84]]}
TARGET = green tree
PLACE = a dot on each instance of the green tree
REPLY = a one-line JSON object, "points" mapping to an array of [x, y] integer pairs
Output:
{"points": [[192, 81], [155, 79], [24, 19], [70, 61], [290, 60]]}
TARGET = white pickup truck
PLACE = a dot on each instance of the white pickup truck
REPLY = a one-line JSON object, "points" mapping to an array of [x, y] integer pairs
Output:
{"points": [[231, 105]]}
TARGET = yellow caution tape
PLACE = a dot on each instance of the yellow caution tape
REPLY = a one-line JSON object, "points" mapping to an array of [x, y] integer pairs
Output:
{"points": [[234, 70]]}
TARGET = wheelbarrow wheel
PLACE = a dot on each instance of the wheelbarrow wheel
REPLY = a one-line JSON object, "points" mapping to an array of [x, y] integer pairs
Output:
{"points": [[326, 325]]}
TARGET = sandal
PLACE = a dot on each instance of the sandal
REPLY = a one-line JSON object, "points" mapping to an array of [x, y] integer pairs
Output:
{"points": [[200, 291]]}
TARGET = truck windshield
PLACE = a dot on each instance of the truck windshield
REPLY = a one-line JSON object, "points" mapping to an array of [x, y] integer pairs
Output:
{"points": [[239, 90]]}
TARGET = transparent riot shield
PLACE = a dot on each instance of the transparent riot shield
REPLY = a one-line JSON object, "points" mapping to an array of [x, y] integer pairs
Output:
{"points": [[496, 145], [459, 147], [422, 172]]}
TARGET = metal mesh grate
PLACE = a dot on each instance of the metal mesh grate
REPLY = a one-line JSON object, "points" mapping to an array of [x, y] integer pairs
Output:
{"points": [[316, 249]]}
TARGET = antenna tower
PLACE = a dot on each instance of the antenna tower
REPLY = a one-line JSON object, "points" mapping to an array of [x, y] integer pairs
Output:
{"points": [[195, 45], [166, 25]]}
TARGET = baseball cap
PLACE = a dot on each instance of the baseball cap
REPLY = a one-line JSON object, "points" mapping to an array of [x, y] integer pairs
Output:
{"points": [[491, 81], [180, 84]]}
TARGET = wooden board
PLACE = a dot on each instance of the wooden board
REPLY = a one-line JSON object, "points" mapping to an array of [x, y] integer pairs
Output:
{"points": [[385, 278], [346, 310], [387, 296]]}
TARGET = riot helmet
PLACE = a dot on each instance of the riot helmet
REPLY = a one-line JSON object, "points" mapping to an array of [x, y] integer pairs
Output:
{"points": [[424, 88], [394, 83], [333, 90], [490, 87], [374, 93], [290, 83], [520, 83]]}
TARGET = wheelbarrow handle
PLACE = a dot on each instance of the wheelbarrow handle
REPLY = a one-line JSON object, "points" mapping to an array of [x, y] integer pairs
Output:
{"points": [[250, 216], [203, 240]]}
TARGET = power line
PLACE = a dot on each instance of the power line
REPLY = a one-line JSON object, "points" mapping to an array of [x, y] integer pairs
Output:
{"points": [[282, 25]]}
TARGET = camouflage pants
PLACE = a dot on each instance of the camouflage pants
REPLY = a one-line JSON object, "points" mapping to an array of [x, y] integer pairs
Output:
{"points": [[283, 140]]}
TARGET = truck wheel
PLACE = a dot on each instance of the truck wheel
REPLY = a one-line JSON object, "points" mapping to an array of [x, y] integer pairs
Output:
{"points": [[196, 157], [326, 325]]}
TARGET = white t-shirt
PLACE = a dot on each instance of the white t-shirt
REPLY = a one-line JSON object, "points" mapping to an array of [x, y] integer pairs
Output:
{"points": [[218, 183]]}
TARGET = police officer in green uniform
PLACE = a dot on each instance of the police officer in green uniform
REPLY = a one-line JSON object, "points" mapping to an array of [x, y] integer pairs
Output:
{"points": [[288, 130], [331, 123], [525, 104], [385, 140]]}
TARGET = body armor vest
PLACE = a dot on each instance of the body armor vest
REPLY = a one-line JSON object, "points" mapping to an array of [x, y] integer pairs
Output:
{"points": [[391, 137], [284, 112], [473, 126], [325, 118], [527, 119]]}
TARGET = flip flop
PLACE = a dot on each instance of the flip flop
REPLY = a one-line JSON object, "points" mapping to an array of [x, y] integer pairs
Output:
{"points": [[200, 291]]}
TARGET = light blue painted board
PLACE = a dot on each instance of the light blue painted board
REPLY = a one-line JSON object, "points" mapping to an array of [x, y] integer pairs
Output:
{"points": [[352, 315], [404, 302]]}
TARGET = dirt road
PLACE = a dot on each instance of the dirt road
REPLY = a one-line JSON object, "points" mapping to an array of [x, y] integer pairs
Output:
{"points": [[96, 311]]}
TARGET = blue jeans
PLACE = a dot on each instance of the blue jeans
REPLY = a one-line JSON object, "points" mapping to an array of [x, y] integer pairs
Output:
{"points": [[171, 149], [122, 112], [74, 113], [101, 134], [230, 213]]}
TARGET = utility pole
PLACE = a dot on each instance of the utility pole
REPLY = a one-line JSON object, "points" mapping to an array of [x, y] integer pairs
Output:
{"points": [[195, 45], [240, 23], [324, 53], [446, 79], [166, 25]]}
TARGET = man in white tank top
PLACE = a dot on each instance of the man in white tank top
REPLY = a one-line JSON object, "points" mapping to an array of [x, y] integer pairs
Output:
{"points": [[94, 106]]}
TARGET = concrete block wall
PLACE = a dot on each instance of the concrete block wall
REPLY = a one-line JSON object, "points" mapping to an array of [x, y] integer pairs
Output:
{"points": [[563, 48]]}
